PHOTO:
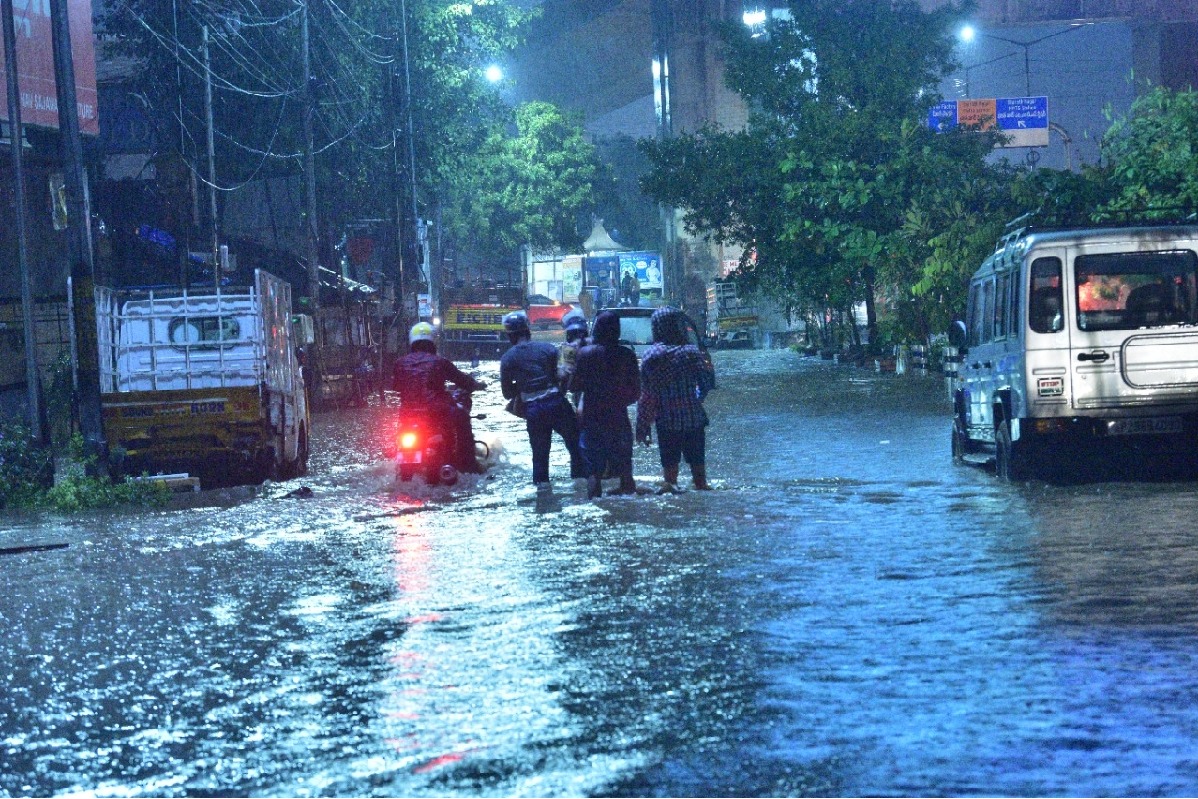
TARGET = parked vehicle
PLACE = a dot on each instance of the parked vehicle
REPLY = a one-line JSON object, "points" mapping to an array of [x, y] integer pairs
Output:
{"points": [[1081, 341], [426, 444], [207, 383], [472, 321], [546, 314], [636, 330]]}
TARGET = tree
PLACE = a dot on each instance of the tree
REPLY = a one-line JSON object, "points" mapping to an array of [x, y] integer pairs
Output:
{"points": [[529, 188], [359, 76], [1152, 153], [837, 169]]}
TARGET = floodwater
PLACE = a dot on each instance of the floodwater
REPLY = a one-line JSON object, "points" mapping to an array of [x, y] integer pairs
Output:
{"points": [[847, 614]]}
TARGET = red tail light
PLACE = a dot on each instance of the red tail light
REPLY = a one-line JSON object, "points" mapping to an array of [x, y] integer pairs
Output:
{"points": [[408, 439]]}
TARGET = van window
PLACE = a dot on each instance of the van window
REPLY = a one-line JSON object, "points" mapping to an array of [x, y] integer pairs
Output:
{"points": [[1046, 297], [1128, 291], [1002, 305], [987, 326]]}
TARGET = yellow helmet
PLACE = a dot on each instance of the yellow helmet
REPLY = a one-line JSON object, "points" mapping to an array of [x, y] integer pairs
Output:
{"points": [[421, 331]]}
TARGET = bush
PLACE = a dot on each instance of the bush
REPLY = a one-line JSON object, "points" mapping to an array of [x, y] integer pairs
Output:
{"points": [[26, 471], [27, 478]]}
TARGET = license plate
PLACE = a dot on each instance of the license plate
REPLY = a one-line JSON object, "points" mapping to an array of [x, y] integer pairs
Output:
{"points": [[1145, 425], [413, 457]]}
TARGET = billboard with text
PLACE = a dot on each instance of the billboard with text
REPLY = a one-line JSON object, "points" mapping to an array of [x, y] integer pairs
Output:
{"points": [[35, 65]]}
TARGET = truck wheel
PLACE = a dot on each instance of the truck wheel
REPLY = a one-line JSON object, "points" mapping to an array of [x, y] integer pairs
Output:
{"points": [[1011, 460], [266, 465], [299, 466], [301, 456]]}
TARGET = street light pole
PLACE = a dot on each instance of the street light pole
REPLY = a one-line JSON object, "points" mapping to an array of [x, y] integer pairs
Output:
{"points": [[969, 33]]}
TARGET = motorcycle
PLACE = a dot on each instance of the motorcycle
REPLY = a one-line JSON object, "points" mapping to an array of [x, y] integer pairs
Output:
{"points": [[426, 443]]}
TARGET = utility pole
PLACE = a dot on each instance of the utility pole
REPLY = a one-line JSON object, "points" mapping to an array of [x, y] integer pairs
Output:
{"points": [[397, 195], [211, 164], [310, 179], [83, 273], [15, 138], [413, 237]]}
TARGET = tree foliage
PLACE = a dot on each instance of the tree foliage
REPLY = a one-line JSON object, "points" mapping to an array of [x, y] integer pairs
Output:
{"points": [[358, 87], [829, 180], [1152, 153], [528, 188]]}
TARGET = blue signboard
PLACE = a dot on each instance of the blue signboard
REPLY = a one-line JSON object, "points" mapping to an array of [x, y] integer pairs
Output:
{"points": [[646, 265], [943, 116], [1024, 120]]}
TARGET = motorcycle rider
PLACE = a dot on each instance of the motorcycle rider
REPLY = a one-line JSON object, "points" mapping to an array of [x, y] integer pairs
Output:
{"points": [[420, 378], [529, 370]]}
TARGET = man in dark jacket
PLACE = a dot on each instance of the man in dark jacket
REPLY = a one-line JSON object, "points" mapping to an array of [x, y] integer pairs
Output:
{"points": [[607, 380], [675, 380], [420, 378], [529, 370]]}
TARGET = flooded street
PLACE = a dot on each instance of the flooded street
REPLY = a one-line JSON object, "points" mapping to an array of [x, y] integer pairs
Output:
{"points": [[847, 614]]}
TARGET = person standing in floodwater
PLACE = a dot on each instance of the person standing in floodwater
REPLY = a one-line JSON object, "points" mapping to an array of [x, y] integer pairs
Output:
{"points": [[529, 371], [675, 380], [607, 381]]}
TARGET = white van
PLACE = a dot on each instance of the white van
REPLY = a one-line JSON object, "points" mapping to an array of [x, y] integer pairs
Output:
{"points": [[1081, 342]]}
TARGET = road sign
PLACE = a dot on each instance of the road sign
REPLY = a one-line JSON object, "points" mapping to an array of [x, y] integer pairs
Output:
{"points": [[1024, 120]]}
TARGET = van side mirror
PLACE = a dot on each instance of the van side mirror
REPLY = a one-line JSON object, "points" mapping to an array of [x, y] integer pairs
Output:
{"points": [[957, 335]]}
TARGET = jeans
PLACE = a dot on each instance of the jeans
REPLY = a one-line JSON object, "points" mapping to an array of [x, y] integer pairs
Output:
{"points": [[544, 417]]}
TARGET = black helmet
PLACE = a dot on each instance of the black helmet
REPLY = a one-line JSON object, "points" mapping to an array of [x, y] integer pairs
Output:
{"points": [[516, 323], [574, 322]]}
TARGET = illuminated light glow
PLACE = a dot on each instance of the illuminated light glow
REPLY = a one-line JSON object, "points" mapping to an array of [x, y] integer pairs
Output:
{"points": [[754, 18], [407, 440], [656, 68], [439, 762], [494, 73], [968, 33]]}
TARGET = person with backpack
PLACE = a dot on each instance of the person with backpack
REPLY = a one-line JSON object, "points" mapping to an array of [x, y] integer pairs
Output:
{"points": [[607, 380], [528, 375]]}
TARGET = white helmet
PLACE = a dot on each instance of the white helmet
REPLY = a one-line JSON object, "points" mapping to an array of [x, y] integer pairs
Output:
{"points": [[421, 331]]}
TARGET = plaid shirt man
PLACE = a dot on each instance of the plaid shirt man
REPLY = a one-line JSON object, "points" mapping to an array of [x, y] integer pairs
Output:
{"points": [[674, 382]]}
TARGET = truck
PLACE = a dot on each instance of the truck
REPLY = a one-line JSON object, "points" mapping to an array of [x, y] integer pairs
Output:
{"points": [[207, 383], [472, 320]]}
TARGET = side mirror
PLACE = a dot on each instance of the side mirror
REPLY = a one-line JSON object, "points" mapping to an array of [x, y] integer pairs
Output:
{"points": [[957, 335]]}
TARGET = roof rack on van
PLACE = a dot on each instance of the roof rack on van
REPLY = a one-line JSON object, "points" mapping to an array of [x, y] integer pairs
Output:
{"points": [[1039, 220]]}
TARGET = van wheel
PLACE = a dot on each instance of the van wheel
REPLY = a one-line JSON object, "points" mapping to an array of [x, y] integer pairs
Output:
{"points": [[1011, 460]]}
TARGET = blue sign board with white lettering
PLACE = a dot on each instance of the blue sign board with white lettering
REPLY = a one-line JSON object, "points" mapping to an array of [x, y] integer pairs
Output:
{"points": [[943, 116], [1024, 120]]}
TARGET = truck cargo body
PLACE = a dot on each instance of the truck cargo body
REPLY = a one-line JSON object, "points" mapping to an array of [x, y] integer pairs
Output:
{"points": [[207, 383]]}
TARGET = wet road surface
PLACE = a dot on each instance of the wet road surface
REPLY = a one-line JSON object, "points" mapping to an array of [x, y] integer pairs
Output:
{"points": [[848, 614]]}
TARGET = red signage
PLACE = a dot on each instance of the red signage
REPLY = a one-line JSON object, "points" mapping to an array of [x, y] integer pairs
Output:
{"points": [[35, 65]]}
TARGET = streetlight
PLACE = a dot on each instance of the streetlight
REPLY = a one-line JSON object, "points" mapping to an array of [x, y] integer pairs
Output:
{"points": [[969, 33], [494, 73]]}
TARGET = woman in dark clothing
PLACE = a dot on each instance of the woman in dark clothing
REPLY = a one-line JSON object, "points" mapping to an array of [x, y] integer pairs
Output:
{"points": [[608, 381]]}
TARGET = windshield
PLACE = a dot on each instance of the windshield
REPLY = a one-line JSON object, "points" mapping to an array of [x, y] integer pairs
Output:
{"points": [[636, 330], [1128, 291]]}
